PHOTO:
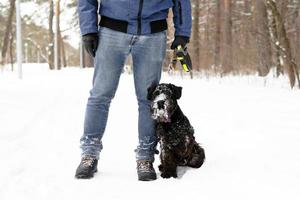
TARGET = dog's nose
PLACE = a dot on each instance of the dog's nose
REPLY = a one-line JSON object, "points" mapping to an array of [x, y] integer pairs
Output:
{"points": [[160, 104]]}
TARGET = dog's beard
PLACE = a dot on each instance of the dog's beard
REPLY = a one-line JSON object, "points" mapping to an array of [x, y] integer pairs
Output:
{"points": [[161, 114]]}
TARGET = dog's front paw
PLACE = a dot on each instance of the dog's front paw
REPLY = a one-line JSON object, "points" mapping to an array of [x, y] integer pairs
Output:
{"points": [[165, 175], [168, 175], [161, 168]]}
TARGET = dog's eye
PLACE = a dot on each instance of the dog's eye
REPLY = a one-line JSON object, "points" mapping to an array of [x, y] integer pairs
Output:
{"points": [[168, 93], [156, 93]]}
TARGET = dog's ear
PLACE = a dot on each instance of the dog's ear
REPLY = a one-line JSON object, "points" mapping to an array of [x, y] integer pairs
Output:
{"points": [[176, 91], [150, 91]]}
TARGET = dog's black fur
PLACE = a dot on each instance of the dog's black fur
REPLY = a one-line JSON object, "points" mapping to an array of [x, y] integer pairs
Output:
{"points": [[175, 134]]}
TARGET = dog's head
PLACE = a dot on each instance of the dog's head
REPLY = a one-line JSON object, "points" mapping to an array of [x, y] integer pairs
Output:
{"points": [[164, 101]]}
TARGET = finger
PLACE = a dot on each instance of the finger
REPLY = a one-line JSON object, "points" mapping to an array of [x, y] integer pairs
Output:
{"points": [[90, 51], [86, 47], [96, 44], [95, 47], [93, 50]]}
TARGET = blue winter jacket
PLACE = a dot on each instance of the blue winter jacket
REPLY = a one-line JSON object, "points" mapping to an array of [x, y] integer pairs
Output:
{"points": [[135, 16]]}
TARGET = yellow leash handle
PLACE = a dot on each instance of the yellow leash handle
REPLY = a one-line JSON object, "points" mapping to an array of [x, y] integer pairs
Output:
{"points": [[184, 58]]}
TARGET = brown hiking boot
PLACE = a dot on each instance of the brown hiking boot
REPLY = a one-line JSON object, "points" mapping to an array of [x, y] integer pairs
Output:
{"points": [[145, 170]]}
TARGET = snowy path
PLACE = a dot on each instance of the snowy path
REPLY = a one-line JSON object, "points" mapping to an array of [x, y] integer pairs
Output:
{"points": [[251, 134]]}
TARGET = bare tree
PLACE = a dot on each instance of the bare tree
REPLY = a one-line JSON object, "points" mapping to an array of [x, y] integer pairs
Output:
{"points": [[262, 38], [217, 51], [63, 52], [11, 54], [51, 36], [283, 44], [227, 46], [8, 30], [57, 36], [195, 35]]}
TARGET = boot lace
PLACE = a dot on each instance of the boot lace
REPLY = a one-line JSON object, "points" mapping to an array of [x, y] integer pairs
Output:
{"points": [[144, 165], [87, 162]]}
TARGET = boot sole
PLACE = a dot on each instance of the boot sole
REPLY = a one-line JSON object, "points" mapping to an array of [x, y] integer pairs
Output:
{"points": [[84, 176], [146, 177]]}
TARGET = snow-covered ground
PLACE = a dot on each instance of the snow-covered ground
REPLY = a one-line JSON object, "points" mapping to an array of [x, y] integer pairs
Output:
{"points": [[249, 127]]}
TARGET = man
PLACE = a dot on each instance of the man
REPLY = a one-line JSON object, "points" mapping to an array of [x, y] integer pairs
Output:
{"points": [[136, 27]]}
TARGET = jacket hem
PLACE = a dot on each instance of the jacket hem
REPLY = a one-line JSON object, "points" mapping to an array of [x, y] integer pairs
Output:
{"points": [[122, 26]]}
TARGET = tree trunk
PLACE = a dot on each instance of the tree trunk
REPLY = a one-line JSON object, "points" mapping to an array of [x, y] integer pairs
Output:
{"points": [[227, 55], [284, 44], [206, 59], [196, 38], [283, 7], [170, 38], [296, 33], [246, 39], [57, 35], [217, 53], [8, 30], [247, 23], [11, 55], [262, 38], [298, 42], [274, 36], [63, 53], [51, 36]]}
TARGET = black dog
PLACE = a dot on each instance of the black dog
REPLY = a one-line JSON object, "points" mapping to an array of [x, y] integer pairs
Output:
{"points": [[176, 135]]}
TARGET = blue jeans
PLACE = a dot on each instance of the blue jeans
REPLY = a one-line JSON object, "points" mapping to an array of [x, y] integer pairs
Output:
{"points": [[148, 52]]}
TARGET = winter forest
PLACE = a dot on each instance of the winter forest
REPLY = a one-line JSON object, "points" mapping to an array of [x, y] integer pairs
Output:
{"points": [[242, 99], [228, 36]]}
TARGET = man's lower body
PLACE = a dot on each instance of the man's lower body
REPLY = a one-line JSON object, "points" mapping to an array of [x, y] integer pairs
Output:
{"points": [[148, 52]]}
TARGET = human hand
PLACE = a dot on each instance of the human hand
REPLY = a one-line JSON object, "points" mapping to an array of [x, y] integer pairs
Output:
{"points": [[90, 43], [180, 40]]}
